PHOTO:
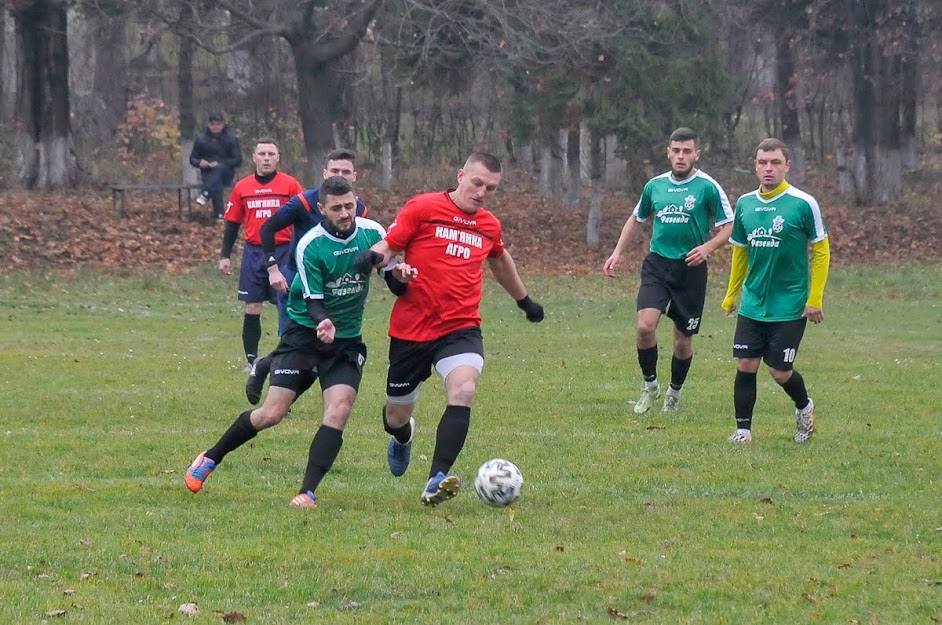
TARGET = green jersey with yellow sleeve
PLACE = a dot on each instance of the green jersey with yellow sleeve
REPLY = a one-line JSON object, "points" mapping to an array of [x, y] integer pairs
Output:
{"points": [[776, 232]]}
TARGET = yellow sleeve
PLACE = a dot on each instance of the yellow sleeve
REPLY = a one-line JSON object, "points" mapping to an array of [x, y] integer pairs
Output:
{"points": [[737, 273], [820, 263]]}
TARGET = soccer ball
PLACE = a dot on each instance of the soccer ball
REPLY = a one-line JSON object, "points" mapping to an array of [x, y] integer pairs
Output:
{"points": [[498, 482]]}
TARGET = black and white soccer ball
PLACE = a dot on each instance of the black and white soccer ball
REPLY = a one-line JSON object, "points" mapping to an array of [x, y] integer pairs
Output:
{"points": [[498, 482]]}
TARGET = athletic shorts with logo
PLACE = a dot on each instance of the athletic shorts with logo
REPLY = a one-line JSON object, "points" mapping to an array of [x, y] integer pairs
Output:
{"points": [[412, 362], [675, 289], [301, 358], [776, 342], [253, 276]]}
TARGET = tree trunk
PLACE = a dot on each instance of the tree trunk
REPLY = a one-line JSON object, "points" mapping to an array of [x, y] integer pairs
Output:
{"points": [[98, 78], [550, 165], [185, 49], [46, 158], [785, 86], [316, 107], [910, 95], [7, 67], [878, 101], [573, 167], [391, 140], [387, 150], [614, 166], [597, 182], [525, 156]]}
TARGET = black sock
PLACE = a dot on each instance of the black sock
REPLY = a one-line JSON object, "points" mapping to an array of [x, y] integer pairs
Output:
{"points": [[679, 370], [251, 335], [795, 387], [450, 437], [744, 399], [647, 358], [402, 434], [239, 433], [320, 457]]}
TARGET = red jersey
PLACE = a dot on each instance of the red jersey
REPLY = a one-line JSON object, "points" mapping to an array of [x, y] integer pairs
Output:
{"points": [[448, 246], [252, 203]]}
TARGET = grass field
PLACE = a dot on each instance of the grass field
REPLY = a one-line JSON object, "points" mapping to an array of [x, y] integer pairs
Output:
{"points": [[112, 385]]}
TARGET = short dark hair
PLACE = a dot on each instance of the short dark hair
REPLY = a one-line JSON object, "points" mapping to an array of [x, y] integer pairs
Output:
{"points": [[335, 185], [342, 154], [490, 162], [771, 144], [684, 134], [267, 140], [216, 116]]}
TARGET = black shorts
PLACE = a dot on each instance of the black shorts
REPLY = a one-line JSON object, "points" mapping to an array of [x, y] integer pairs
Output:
{"points": [[776, 342], [301, 358], [674, 288], [253, 276], [412, 362]]}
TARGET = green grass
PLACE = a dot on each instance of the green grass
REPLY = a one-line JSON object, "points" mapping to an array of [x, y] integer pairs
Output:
{"points": [[112, 385]]}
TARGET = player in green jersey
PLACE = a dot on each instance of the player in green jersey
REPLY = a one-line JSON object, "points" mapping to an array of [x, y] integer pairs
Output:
{"points": [[683, 202], [322, 341], [772, 230]]}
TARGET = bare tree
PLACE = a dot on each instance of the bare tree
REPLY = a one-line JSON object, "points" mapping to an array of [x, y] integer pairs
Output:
{"points": [[318, 32], [7, 67], [99, 72], [43, 135]]}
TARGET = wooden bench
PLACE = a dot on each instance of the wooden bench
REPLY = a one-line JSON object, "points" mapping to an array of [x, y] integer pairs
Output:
{"points": [[182, 188]]}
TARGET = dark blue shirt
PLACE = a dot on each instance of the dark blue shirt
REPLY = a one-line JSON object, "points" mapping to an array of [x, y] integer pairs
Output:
{"points": [[295, 213]]}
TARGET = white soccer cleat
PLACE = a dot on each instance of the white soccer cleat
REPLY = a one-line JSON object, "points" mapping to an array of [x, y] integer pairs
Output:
{"points": [[649, 397], [740, 436], [804, 422]]}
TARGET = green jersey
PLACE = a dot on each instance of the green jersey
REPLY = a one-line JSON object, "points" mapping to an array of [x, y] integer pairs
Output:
{"points": [[682, 211], [326, 271], [776, 232]]}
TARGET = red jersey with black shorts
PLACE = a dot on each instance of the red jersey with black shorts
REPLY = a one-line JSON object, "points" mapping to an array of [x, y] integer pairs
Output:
{"points": [[448, 246], [252, 202]]}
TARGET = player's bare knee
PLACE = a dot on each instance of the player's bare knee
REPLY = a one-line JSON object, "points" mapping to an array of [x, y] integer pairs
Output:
{"points": [[337, 418], [268, 416], [780, 377], [462, 393]]}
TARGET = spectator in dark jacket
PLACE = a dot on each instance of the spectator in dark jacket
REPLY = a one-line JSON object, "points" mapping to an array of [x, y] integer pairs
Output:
{"points": [[217, 154]]}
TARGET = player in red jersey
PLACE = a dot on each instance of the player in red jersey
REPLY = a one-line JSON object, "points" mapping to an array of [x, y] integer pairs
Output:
{"points": [[254, 199], [435, 322]]}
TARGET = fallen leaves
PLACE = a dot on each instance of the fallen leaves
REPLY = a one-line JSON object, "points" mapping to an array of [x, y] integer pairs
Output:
{"points": [[68, 231]]}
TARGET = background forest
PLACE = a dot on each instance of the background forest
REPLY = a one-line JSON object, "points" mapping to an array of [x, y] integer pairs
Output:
{"points": [[573, 95]]}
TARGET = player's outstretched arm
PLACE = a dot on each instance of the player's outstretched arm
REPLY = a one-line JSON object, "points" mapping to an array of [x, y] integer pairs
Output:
{"points": [[505, 272], [609, 267]]}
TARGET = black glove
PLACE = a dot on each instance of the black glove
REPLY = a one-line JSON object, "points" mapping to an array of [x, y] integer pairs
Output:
{"points": [[397, 288], [367, 260], [533, 309]]}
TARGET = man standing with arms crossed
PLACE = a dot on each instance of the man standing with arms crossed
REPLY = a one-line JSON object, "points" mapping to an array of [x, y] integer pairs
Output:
{"points": [[773, 228], [683, 202], [254, 199], [436, 323]]}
